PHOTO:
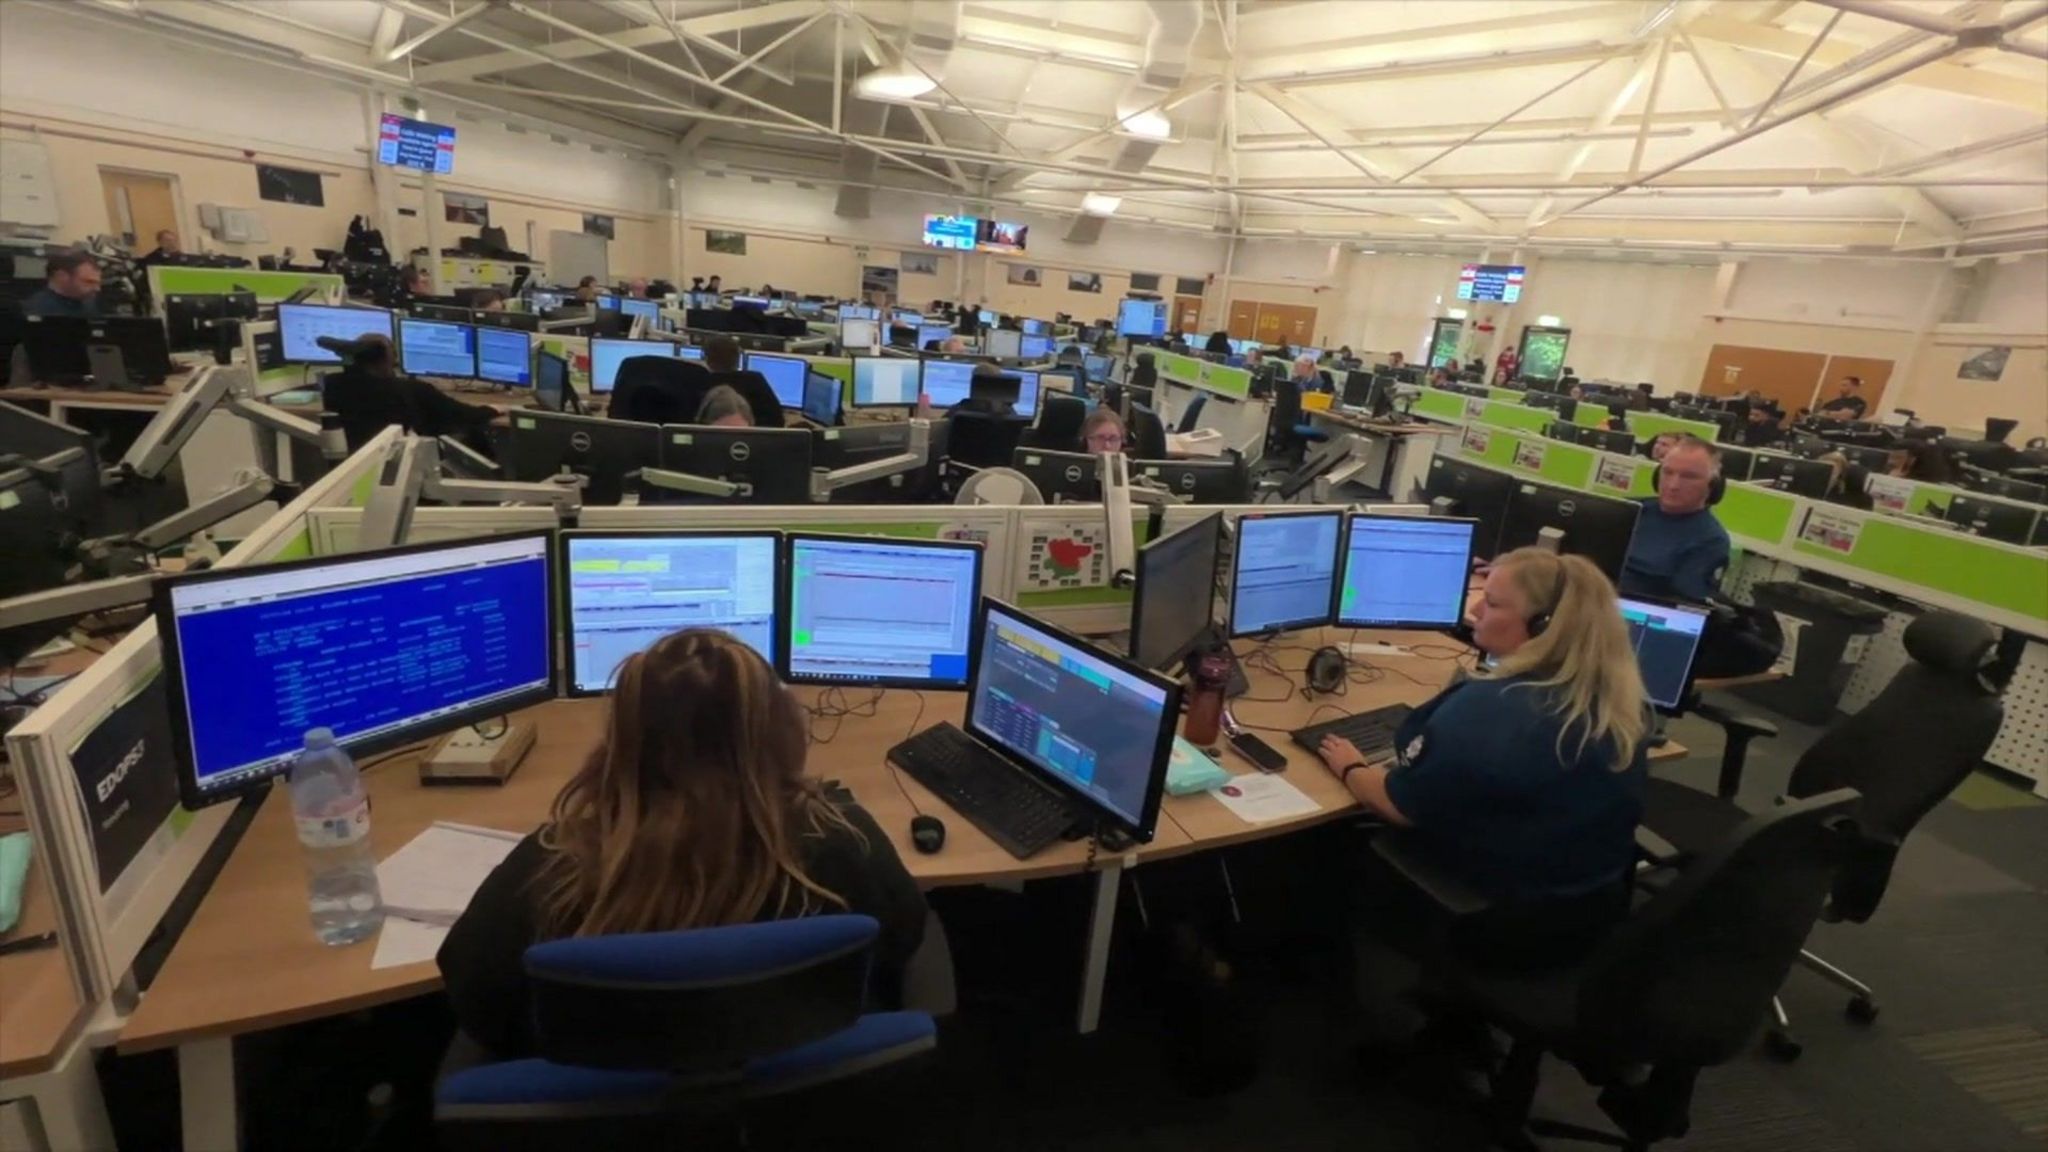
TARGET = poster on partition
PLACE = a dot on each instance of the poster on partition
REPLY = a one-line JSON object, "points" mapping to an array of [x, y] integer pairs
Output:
{"points": [[1529, 455], [1830, 530], [1889, 493], [1475, 408], [127, 778], [1477, 441], [1617, 474]]}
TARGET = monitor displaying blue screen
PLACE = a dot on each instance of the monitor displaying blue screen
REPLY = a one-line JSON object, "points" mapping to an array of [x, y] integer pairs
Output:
{"points": [[631, 307], [880, 381], [608, 303], [927, 334], [1028, 384], [625, 590], [1096, 366], [690, 352], [987, 317], [1284, 574], [504, 356], [1141, 318], [906, 317], [300, 327], [438, 348], [948, 382], [1666, 638], [1037, 327], [1404, 571], [785, 375], [606, 356], [1031, 347], [880, 611], [822, 395], [380, 648]]}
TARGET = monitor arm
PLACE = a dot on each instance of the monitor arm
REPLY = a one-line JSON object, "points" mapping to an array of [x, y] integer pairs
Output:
{"points": [[687, 482], [1114, 471], [71, 601], [213, 387], [251, 488], [411, 472], [917, 454]]}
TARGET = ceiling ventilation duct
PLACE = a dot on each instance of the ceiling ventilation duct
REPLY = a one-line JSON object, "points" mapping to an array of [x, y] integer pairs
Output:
{"points": [[921, 61], [1142, 125]]}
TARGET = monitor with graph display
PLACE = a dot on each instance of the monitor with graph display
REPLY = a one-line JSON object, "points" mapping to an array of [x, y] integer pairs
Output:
{"points": [[1404, 571], [880, 611], [622, 591], [1284, 572]]}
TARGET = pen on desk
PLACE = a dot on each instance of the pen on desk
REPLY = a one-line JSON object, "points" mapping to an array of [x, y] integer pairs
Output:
{"points": [[27, 943]]}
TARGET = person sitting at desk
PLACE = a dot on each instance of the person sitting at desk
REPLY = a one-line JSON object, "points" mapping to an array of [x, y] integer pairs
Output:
{"points": [[1922, 460], [586, 290], [1396, 360], [693, 811], [637, 288], [488, 300], [369, 396], [1306, 377], [724, 407], [1527, 780], [1218, 343], [722, 360], [72, 287], [1679, 548], [167, 250], [1760, 426], [1103, 432]]}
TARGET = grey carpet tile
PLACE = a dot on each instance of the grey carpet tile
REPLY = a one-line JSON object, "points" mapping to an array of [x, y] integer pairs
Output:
{"points": [[2004, 1065]]}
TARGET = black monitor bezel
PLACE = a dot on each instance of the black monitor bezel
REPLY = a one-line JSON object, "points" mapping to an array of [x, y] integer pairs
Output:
{"points": [[785, 648], [1692, 666], [1344, 570], [390, 330], [475, 348], [1140, 582], [190, 792], [532, 374], [1237, 567]]}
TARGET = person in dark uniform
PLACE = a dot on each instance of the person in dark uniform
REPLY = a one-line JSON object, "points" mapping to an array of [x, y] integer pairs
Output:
{"points": [[370, 395], [692, 811], [1679, 547], [722, 360], [73, 287], [167, 250], [1848, 404]]}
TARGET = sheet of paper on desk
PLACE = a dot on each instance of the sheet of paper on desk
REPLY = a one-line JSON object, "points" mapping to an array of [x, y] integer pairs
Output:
{"points": [[432, 878], [1256, 798], [405, 941]]}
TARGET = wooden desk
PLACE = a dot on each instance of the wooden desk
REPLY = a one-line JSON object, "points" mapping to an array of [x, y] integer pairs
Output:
{"points": [[1400, 472]]}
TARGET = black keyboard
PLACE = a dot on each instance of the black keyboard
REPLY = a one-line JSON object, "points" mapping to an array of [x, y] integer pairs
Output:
{"points": [[996, 796], [1373, 732]]}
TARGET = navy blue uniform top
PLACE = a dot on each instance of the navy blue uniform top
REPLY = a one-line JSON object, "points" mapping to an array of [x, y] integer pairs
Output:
{"points": [[47, 303], [1480, 774], [1674, 557]]}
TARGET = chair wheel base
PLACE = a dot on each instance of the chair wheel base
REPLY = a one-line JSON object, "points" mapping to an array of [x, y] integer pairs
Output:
{"points": [[1782, 1045], [1861, 1009]]}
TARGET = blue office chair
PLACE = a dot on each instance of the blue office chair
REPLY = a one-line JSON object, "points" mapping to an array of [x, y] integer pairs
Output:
{"points": [[1193, 413], [644, 1037]]}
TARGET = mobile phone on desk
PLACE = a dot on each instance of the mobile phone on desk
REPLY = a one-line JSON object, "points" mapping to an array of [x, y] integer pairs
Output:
{"points": [[1263, 755]]}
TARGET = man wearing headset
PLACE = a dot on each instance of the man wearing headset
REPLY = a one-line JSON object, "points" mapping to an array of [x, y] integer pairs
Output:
{"points": [[1679, 547]]}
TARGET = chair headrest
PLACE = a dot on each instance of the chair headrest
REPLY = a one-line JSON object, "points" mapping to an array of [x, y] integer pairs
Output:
{"points": [[1949, 642]]}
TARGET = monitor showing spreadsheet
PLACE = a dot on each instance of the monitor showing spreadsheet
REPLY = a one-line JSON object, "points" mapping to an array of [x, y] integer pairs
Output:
{"points": [[437, 348], [300, 327], [881, 612], [504, 356], [622, 591], [1004, 343], [948, 382], [1404, 571], [1283, 573]]}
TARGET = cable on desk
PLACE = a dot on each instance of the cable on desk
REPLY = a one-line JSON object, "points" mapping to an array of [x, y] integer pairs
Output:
{"points": [[833, 705], [394, 754], [896, 773]]}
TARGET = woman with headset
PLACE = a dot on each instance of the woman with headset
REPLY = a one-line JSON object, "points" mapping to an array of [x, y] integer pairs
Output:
{"points": [[1526, 781]]}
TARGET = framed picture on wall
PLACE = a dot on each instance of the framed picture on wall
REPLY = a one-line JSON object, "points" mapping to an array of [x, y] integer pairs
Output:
{"points": [[1084, 282], [1190, 285], [1986, 363], [725, 243], [875, 278], [289, 186], [596, 225], [919, 263], [1024, 274], [1144, 281], [460, 209]]}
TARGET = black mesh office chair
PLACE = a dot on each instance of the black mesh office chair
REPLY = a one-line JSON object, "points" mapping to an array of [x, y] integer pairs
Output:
{"points": [[658, 390], [982, 439], [1192, 414], [1904, 751], [1060, 417], [1148, 434], [1677, 987]]}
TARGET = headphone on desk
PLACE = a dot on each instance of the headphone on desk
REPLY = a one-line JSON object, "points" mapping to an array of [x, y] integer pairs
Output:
{"points": [[1540, 622], [1326, 670]]}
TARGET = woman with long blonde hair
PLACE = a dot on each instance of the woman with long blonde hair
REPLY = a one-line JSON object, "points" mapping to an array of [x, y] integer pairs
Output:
{"points": [[691, 812], [1526, 781]]}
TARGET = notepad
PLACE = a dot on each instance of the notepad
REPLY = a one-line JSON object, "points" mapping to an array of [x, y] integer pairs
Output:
{"points": [[432, 878]]}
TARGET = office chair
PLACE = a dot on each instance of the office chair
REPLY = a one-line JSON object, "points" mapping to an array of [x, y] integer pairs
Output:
{"points": [[645, 1035], [1288, 432], [1148, 434], [1059, 423], [1193, 414], [983, 439], [1677, 987], [658, 390], [1904, 751]]}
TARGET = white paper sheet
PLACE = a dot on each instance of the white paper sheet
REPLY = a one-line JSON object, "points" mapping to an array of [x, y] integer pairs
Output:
{"points": [[405, 941], [1256, 798], [432, 878]]}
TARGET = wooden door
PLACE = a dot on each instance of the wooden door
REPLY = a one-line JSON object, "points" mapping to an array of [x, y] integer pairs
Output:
{"points": [[1787, 377], [1244, 320], [1287, 324], [1187, 313], [138, 207]]}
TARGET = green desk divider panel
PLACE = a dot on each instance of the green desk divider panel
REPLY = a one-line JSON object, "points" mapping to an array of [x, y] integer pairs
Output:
{"points": [[1511, 395], [1206, 375], [268, 286], [1960, 565], [1553, 462], [1510, 414], [1646, 425], [1438, 404], [1758, 513]]}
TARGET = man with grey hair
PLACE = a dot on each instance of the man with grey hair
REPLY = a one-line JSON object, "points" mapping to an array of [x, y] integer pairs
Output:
{"points": [[1306, 377], [1679, 547], [724, 407]]}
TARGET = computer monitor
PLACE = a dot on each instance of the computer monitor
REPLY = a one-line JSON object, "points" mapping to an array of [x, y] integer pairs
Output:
{"points": [[382, 648], [633, 308], [504, 356], [1283, 573], [822, 396], [452, 313], [607, 302], [437, 348], [2024, 491], [1060, 477], [1097, 366], [690, 352], [25, 433], [785, 375], [1594, 526], [1036, 327], [948, 382], [859, 312], [1666, 638], [545, 444], [1737, 463], [607, 354], [1034, 348], [622, 591], [30, 560], [189, 320], [1808, 478], [1475, 492], [551, 387], [300, 326], [1173, 605], [1404, 571], [929, 334], [881, 612], [886, 381], [1003, 343], [770, 465], [1096, 727], [1991, 519], [516, 321], [1199, 480], [987, 317], [1028, 386], [856, 332], [54, 346]]}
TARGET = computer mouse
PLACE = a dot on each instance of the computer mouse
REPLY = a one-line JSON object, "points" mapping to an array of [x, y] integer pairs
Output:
{"points": [[927, 833]]}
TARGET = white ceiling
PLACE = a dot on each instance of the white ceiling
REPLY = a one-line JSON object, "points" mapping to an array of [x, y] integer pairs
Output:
{"points": [[1866, 126]]}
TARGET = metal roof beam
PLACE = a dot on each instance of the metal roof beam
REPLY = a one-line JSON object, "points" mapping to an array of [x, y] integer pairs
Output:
{"points": [[697, 29]]}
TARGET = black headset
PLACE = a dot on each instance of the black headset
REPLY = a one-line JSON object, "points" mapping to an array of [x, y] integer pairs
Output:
{"points": [[1326, 670], [1540, 622]]}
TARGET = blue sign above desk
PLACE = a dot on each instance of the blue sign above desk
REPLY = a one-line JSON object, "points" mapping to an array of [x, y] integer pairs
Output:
{"points": [[403, 142]]}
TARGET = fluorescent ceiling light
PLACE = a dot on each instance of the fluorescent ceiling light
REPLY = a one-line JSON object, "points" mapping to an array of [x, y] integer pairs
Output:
{"points": [[1096, 204], [1549, 322], [1150, 124], [895, 82]]}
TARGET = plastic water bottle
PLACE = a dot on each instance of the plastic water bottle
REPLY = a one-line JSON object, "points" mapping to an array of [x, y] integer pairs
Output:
{"points": [[333, 814]]}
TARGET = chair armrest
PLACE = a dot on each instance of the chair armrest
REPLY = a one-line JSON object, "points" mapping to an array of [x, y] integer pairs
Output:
{"points": [[1441, 888], [1744, 723], [1655, 849]]}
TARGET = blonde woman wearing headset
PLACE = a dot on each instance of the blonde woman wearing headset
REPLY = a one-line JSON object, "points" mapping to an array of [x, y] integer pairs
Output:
{"points": [[1526, 781]]}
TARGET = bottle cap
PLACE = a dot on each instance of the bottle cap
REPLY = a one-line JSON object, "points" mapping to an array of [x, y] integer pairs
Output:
{"points": [[319, 737]]}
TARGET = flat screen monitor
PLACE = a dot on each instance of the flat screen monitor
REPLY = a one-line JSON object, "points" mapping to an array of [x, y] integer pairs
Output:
{"points": [[1199, 480], [1808, 478], [1145, 318], [1472, 491], [1033, 327], [1404, 571], [907, 317], [403, 142], [1096, 366], [1991, 519], [859, 312], [1496, 282], [1174, 603], [634, 308], [30, 560], [300, 326], [953, 233], [1666, 638], [822, 395], [690, 352], [886, 381], [382, 648], [538, 301], [769, 465], [606, 302], [785, 375], [1028, 386], [1004, 343], [606, 355], [1094, 726], [622, 591], [504, 356], [881, 612], [545, 444], [930, 334], [1594, 527], [1001, 236], [1060, 477], [1034, 348], [857, 332], [948, 382], [1283, 575], [437, 348], [986, 316], [551, 387]]}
